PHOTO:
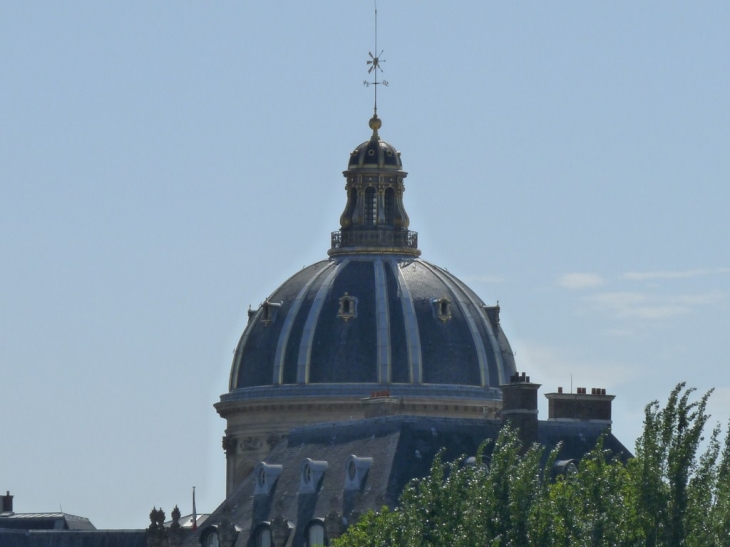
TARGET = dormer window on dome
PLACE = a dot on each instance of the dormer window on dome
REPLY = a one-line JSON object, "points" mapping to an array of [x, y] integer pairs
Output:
{"points": [[441, 308], [269, 310], [348, 307]]}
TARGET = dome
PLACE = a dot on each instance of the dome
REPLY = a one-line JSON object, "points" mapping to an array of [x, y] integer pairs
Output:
{"points": [[372, 330], [375, 153], [357, 322]]}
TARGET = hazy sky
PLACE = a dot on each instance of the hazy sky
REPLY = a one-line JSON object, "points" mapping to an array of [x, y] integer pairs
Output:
{"points": [[165, 164]]}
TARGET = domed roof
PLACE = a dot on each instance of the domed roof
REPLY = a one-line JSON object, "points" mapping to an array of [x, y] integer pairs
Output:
{"points": [[362, 321], [374, 314], [375, 153]]}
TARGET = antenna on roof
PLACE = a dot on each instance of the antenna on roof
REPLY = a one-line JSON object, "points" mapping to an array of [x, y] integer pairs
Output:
{"points": [[375, 62]]}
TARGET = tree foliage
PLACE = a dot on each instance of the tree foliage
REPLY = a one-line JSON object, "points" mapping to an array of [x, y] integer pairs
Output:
{"points": [[675, 492]]}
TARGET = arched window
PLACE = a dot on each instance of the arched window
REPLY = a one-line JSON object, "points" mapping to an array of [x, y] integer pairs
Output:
{"points": [[315, 535], [390, 206], [371, 206], [263, 537], [348, 307], [212, 539], [351, 202]]}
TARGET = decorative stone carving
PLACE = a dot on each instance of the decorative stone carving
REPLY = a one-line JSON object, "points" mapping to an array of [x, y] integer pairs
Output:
{"points": [[229, 445], [251, 443], [156, 532], [174, 532]]}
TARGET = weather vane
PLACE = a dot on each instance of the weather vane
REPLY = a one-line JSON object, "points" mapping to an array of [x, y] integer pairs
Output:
{"points": [[375, 65]]}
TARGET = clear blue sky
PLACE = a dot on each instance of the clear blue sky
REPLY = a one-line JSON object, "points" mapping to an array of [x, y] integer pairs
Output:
{"points": [[165, 164]]}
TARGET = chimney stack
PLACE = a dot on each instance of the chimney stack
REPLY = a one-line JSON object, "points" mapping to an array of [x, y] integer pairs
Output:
{"points": [[380, 403], [519, 407], [580, 406], [7, 503]]}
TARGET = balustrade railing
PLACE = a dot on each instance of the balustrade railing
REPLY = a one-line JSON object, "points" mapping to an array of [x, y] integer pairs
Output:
{"points": [[375, 238]]}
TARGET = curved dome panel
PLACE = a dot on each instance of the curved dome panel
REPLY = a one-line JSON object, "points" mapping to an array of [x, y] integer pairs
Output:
{"points": [[376, 154], [373, 319]]}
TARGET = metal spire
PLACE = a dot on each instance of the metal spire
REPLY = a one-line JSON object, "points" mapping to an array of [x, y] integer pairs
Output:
{"points": [[375, 66]]}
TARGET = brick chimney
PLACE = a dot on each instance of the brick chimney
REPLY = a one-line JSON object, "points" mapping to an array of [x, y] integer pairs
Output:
{"points": [[519, 407], [7, 503], [580, 406]]}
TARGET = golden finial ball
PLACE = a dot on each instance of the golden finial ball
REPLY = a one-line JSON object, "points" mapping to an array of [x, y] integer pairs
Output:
{"points": [[375, 123]]}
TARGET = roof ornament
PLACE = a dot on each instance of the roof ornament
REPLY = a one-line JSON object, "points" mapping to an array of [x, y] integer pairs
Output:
{"points": [[375, 66]]}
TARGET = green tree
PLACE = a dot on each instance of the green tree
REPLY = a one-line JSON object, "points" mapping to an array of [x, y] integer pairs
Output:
{"points": [[719, 515], [670, 494], [587, 507], [464, 505], [668, 477]]}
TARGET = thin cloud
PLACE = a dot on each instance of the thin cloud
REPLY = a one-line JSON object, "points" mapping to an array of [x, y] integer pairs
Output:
{"points": [[651, 306], [577, 280], [668, 274]]}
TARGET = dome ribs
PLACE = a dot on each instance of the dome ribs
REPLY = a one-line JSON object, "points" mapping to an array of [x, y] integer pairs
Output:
{"points": [[499, 371], [382, 321], [305, 347], [346, 351], [400, 370], [289, 322], [450, 355], [410, 322], [254, 359]]}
